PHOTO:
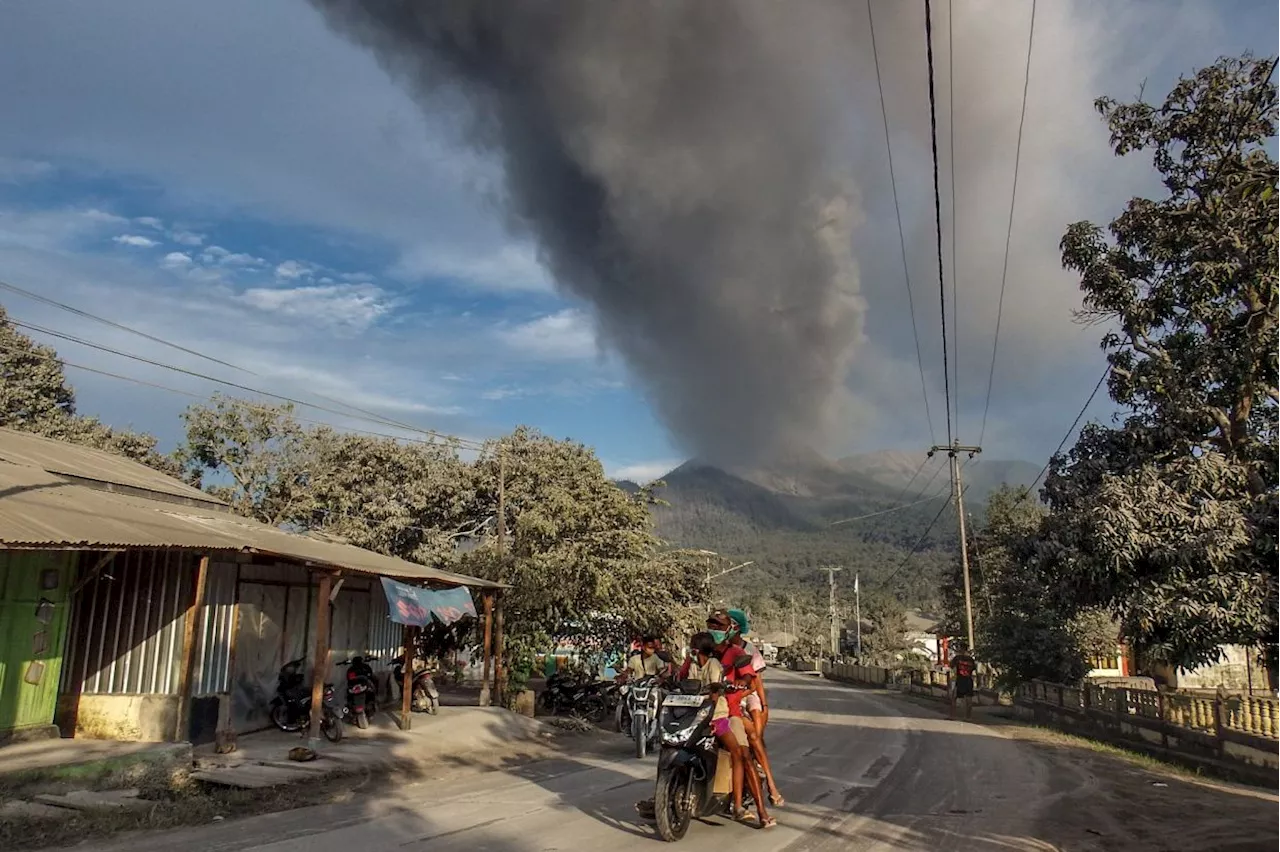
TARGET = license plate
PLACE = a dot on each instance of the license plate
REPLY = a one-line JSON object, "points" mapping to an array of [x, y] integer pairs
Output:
{"points": [[683, 700]]}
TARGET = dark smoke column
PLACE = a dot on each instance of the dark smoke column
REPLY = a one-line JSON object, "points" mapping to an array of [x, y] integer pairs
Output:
{"points": [[680, 165]]}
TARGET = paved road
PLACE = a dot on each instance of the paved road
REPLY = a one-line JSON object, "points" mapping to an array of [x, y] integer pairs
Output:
{"points": [[862, 771]]}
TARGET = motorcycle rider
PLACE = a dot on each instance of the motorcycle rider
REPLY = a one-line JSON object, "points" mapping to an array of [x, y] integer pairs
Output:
{"points": [[739, 672], [649, 662], [754, 704]]}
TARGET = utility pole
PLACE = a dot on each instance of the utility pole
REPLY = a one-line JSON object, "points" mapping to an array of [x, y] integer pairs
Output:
{"points": [[835, 636], [502, 501], [957, 493], [857, 614]]}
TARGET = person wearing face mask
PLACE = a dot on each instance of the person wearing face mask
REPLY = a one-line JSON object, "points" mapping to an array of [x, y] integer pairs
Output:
{"points": [[743, 657]]}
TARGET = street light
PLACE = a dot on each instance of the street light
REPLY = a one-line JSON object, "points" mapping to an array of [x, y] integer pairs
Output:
{"points": [[711, 576]]}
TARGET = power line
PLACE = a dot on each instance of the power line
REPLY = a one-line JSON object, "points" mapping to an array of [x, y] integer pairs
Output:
{"points": [[1066, 437], [937, 209], [955, 291], [234, 385], [21, 292], [386, 421], [910, 554], [902, 240], [200, 396], [1008, 239], [884, 511]]}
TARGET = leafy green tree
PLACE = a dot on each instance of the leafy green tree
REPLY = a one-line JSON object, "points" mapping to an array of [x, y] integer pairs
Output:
{"points": [[35, 397], [1169, 518], [257, 454]]}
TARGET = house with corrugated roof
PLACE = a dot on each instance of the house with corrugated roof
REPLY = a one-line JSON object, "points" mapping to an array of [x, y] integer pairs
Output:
{"points": [[134, 606]]}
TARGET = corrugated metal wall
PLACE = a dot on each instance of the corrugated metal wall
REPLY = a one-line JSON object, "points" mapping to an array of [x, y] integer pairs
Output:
{"points": [[385, 636], [212, 673], [126, 632]]}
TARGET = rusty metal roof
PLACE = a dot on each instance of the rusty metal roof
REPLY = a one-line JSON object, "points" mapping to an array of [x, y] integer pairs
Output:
{"points": [[98, 466], [40, 509]]}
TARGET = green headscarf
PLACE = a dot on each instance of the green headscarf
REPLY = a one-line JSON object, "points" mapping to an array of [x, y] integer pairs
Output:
{"points": [[740, 618]]}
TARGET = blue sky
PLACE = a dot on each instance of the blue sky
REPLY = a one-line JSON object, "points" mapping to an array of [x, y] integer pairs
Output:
{"points": [[234, 177]]}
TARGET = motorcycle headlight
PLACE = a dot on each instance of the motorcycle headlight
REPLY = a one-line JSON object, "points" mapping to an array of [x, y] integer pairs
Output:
{"points": [[678, 736]]}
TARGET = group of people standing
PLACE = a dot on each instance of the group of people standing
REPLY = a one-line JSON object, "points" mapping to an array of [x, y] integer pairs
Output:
{"points": [[722, 654]]}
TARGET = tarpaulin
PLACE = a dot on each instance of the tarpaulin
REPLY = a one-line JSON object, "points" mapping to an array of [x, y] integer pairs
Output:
{"points": [[416, 606]]}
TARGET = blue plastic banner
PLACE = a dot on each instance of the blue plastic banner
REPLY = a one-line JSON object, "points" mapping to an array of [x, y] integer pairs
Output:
{"points": [[416, 606]]}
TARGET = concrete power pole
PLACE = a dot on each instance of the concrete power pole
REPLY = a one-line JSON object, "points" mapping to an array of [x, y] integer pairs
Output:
{"points": [[857, 614], [835, 635], [957, 492]]}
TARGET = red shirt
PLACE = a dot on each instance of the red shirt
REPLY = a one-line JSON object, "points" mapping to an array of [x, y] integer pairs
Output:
{"points": [[727, 659]]}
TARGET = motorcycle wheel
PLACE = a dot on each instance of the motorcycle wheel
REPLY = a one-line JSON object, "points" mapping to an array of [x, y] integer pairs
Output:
{"points": [[640, 733], [280, 718], [331, 726], [671, 804], [362, 720]]}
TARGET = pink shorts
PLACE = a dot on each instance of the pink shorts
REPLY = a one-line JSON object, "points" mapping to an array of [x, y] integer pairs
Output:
{"points": [[752, 704]]}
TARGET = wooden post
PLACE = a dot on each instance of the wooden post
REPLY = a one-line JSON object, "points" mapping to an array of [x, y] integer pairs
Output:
{"points": [[320, 668], [499, 672], [488, 647], [189, 651], [408, 635]]}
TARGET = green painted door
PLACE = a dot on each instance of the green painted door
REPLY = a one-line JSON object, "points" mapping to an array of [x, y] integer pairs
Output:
{"points": [[33, 623]]}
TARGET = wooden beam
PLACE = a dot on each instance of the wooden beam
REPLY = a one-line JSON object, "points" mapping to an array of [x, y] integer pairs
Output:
{"points": [[406, 678], [320, 669], [488, 648], [499, 672], [189, 651]]}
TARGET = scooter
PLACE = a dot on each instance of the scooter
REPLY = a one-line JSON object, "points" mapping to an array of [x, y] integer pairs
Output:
{"points": [[362, 691], [424, 698], [291, 708], [694, 777]]}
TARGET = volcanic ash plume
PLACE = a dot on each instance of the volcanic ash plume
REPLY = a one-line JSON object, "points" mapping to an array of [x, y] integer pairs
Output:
{"points": [[683, 167]]}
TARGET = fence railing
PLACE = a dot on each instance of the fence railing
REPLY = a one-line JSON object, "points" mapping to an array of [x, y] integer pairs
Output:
{"points": [[1240, 730]]}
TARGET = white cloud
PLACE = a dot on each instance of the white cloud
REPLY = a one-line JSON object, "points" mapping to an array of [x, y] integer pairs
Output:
{"points": [[150, 222], [353, 306], [226, 257], [643, 473], [176, 260], [512, 268], [187, 238], [291, 270], [135, 241], [566, 335]]}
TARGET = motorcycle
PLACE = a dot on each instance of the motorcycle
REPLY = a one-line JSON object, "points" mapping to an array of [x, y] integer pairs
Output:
{"points": [[570, 694], [362, 691], [424, 698], [644, 700], [291, 708], [694, 773]]}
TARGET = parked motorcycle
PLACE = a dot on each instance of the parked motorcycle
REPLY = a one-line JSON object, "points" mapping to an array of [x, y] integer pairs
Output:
{"points": [[566, 693], [291, 708], [424, 698], [362, 691], [644, 700]]}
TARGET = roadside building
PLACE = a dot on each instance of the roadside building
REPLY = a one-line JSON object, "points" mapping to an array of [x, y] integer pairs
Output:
{"points": [[133, 606]]}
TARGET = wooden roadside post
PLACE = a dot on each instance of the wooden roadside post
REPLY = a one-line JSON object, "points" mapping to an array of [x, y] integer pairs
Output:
{"points": [[488, 647], [499, 672], [410, 634], [189, 650], [320, 669]]}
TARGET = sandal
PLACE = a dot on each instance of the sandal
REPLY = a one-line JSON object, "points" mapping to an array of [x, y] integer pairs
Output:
{"points": [[745, 816], [777, 801], [770, 823]]}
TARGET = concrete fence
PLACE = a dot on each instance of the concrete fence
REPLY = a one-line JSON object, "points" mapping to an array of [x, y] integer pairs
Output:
{"points": [[1240, 732]]}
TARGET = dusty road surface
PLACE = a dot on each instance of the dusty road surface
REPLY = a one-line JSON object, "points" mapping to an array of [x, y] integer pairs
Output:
{"points": [[862, 770]]}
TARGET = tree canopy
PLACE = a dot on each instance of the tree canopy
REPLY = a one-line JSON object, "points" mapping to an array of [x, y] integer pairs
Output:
{"points": [[1169, 517], [35, 397]]}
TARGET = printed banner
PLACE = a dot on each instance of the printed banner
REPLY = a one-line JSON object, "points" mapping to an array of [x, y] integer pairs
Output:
{"points": [[416, 606]]}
